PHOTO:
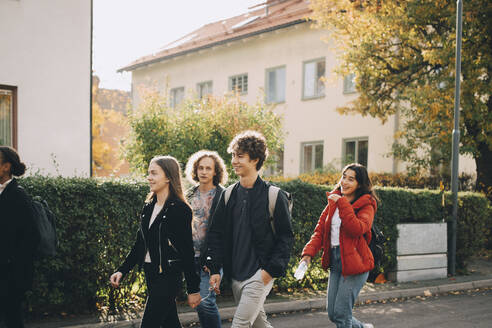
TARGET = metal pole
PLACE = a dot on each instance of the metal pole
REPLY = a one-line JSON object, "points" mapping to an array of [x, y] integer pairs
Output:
{"points": [[456, 138]]}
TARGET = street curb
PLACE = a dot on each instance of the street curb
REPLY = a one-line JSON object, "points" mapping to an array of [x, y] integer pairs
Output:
{"points": [[306, 305]]}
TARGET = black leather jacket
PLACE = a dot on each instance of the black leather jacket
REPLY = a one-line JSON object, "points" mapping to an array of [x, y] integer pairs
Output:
{"points": [[273, 250], [189, 194], [168, 241]]}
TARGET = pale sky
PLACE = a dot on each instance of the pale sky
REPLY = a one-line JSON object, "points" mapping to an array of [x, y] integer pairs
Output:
{"points": [[125, 30]]}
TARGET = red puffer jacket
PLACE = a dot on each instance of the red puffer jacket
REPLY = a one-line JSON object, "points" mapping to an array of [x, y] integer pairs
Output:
{"points": [[355, 234]]}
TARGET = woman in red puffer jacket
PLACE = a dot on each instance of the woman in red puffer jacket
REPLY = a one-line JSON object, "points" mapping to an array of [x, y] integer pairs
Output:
{"points": [[344, 232]]}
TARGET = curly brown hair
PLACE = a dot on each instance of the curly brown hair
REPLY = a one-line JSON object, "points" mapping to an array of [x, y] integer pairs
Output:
{"points": [[221, 175], [252, 143]]}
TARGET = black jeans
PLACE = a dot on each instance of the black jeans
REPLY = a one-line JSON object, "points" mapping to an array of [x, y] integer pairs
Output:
{"points": [[160, 309]]}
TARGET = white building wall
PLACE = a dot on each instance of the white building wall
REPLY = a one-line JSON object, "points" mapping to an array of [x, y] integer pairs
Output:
{"points": [[304, 120], [45, 49]]}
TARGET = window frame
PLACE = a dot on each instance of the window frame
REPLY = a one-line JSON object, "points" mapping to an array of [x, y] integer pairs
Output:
{"points": [[268, 70], [346, 90], [242, 92], [314, 144], [14, 121], [277, 168], [304, 63], [201, 84], [356, 140], [171, 96]]}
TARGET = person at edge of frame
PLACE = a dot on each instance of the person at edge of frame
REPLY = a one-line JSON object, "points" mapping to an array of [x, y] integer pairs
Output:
{"points": [[163, 246], [19, 238], [344, 233], [206, 170], [241, 239]]}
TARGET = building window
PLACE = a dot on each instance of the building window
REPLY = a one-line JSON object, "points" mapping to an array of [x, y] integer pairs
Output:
{"points": [[277, 168], [239, 83], [177, 96], [8, 116], [349, 83], [203, 89], [275, 85], [313, 84], [311, 156], [355, 150]]}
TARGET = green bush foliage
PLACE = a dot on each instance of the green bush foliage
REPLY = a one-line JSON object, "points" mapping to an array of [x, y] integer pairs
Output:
{"points": [[397, 205], [97, 222], [208, 123], [96, 226], [403, 180]]}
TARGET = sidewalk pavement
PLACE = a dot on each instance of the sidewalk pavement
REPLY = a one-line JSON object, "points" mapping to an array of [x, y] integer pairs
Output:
{"points": [[480, 276]]}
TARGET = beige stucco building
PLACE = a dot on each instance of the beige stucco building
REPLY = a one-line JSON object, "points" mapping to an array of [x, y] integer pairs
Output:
{"points": [[275, 52], [45, 74]]}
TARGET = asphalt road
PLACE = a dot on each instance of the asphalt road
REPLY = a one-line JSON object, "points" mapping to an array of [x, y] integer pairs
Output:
{"points": [[460, 310]]}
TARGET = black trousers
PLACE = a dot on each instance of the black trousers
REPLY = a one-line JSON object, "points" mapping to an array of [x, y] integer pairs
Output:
{"points": [[10, 305], [160, 309]]}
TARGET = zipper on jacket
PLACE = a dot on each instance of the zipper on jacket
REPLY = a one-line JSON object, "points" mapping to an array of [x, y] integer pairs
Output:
{"points": [[143, 236], [160, 249]]}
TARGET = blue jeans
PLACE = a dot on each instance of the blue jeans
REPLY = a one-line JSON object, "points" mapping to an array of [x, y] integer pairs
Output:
{"points": [[208, 312], [342, 293]]}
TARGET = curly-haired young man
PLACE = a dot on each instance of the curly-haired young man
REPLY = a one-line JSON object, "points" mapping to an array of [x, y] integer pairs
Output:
{"points": [[241, 238], [206, 170]]}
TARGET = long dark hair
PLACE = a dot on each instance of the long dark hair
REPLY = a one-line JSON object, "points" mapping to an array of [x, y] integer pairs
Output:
{"points": [[171, 168], [9, 155], [362, 177]]}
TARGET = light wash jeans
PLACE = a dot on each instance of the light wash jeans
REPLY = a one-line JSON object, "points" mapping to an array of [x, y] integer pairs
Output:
{"points": [[207, 311], [342, 293], [250, 295]]}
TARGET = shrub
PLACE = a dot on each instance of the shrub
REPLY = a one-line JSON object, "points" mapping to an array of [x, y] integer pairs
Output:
{"points": [[397, 206], [96, 226], [208, 123], [97, 222], [386, 180]]}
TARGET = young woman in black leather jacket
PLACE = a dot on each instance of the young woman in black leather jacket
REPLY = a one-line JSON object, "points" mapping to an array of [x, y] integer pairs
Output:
{"points": [[163, 246]]}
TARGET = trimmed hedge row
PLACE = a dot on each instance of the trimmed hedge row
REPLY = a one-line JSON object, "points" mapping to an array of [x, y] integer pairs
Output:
{"points": [[397, 205], [97, 222], [403, 180]]}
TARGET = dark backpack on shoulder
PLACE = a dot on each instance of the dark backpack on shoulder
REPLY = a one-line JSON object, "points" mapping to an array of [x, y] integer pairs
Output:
{"points": [[45, 221], [377, 249]]}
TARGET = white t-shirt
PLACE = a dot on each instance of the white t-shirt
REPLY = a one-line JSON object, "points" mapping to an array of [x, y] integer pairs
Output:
{"points": [[335, 229], [156, 211]]}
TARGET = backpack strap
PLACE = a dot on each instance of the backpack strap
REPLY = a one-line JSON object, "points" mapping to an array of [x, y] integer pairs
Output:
{"points": [[228, 192], [272, 200]]}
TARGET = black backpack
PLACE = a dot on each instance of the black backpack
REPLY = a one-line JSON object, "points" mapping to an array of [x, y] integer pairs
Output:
{"points": [[45, 222], [377, 249]]}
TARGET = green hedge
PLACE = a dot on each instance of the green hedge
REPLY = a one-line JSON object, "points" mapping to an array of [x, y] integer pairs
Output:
{"points": [[97, 222], [397, 205], [96, 225]]}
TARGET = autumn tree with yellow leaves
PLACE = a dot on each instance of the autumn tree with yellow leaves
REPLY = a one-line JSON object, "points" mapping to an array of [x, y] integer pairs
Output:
{"points": [[403, 57], [109, 128]]}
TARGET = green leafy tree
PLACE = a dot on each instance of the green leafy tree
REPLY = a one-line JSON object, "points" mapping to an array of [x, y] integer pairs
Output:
{"points": [[209, 123], [403, 56]]}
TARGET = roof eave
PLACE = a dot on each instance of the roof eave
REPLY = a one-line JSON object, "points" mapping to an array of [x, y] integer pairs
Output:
{"points": [[210, 45]]}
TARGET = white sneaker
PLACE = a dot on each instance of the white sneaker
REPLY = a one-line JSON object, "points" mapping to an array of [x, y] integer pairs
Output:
{"points": [[368, 325]]}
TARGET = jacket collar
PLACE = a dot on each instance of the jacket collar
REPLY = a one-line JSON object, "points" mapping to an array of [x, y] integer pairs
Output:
{"points": [[360, 202], [256, 185], [10, 186]]}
